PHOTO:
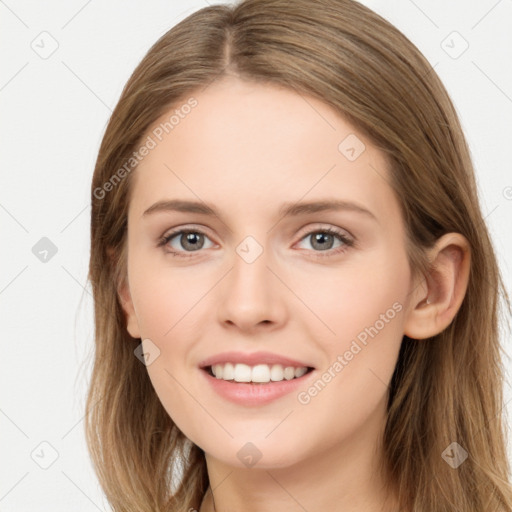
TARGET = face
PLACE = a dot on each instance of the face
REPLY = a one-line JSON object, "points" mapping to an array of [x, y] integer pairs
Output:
{"points": [[328, 288]]}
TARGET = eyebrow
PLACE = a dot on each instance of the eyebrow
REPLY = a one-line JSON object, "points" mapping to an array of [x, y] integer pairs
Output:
{"points": [[286, 210]]}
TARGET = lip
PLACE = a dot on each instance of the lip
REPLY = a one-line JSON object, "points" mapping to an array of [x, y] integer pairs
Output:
{"points": [[255, 394], [252, 359]]}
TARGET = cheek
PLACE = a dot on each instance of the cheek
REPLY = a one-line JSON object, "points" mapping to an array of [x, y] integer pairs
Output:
{"points": [[165, 298], [352, 385], [170, 304], [167, 305], [361, 309], [345, 301]]}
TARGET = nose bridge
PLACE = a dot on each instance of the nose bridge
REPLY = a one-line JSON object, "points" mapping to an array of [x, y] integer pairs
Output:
{"points": [[251, 294]]}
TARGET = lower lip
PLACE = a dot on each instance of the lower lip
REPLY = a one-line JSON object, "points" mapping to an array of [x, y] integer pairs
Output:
{"points": [[246, 393]]}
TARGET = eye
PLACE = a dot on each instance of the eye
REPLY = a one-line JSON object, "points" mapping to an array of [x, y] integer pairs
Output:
{"points": [[191, 240], [323, 239]]}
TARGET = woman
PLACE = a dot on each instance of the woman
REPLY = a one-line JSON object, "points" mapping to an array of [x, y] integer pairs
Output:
{"points": [[296, 296]]}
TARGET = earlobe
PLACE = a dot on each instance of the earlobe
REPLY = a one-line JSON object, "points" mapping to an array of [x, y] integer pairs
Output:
{"points": [[125, 298], [431, 312], [123, 292]]}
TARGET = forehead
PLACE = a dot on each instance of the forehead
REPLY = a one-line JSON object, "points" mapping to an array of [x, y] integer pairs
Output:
{"points": [[249, 145]]}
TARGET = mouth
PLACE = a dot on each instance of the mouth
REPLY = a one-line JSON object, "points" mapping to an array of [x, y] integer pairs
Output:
{"points": [[257, 384], [276, 377]]}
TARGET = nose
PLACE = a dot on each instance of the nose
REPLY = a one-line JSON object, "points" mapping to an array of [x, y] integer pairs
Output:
{"points": [[252, 297]]}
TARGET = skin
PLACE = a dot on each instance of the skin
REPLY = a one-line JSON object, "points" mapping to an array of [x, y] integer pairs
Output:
{"points": [[247, 148]]}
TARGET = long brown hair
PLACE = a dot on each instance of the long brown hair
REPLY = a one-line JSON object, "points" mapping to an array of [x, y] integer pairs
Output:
{"points": [[445, 389]]}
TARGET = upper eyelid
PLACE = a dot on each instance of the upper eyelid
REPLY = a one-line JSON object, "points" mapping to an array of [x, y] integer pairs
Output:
{"points": [[307, 230], [178, 230]]}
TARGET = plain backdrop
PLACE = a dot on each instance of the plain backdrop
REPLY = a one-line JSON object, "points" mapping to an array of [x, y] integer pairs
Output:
{"points": [[63, 66]]}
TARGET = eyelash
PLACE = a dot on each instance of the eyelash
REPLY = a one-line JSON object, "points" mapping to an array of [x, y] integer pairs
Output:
{"points": [[319, 254]]}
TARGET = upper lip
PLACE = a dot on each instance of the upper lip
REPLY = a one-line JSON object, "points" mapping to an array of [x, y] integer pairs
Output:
{"points": [[251, 359]]}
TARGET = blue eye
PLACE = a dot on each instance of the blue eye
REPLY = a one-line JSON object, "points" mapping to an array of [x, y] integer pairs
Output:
{"points": [[193, 239]]}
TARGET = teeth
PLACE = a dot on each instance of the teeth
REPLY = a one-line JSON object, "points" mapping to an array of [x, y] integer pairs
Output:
{"points": [[259, 373]]}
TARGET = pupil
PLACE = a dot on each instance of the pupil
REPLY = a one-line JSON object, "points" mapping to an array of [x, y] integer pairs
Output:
{"points": [[321, 239], [192, 240]]}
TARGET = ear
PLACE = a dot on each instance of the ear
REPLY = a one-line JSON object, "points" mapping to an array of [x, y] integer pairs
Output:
{"points": [[432, 311], [123, 292]]}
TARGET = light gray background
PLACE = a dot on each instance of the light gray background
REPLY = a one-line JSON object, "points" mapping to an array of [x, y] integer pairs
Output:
{"points": [[54, 112]]}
